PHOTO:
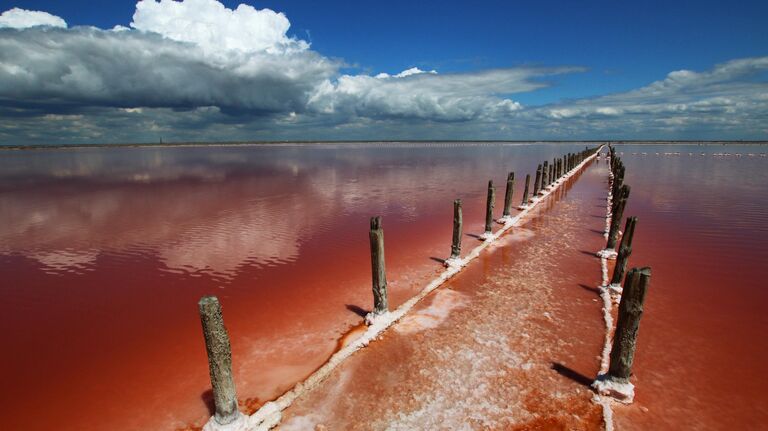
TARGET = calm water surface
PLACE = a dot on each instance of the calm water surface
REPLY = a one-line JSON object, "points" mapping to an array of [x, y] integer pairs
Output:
{"points": [[703, 228], [104, 254]]}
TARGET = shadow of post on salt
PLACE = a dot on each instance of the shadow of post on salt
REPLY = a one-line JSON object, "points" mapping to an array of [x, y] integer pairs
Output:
{"points": [[572, 374]]}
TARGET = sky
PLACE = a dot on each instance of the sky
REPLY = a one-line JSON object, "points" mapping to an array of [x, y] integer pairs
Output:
{"points": [[203, 70]]}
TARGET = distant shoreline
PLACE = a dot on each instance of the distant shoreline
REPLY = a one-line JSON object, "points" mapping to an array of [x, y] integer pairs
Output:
{"points": [[307, 143]]}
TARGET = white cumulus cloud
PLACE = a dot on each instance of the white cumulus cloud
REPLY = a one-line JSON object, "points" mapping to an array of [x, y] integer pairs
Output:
{"points": [[216, 29], [21, 18]]}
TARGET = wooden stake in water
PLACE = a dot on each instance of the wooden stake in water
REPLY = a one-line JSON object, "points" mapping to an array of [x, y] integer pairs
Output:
{"points": [[628, 324], [457, 223], [219, 360], [525, 190], [625, 249], [489, 207], [537, 183], [379, 277], [618, 213], [544, 175], [508, 195]]}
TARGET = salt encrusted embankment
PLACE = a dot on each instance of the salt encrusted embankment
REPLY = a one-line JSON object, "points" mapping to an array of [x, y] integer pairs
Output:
{"points": [[270, 414]]}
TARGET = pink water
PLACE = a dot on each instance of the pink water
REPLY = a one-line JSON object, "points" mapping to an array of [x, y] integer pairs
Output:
{"points": [[104, 254], [702, 228]]}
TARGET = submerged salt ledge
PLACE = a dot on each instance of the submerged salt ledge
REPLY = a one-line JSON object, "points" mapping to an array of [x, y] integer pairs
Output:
{"points": [[270, 414]]}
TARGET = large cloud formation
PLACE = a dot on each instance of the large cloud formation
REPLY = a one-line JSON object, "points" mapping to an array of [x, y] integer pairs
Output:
{"points": [[196, 70]]}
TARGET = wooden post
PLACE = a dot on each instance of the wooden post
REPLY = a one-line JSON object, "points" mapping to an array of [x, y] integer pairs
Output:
{"points": [[544, 175], [508, 194], [625, 249], [489, 207], [458, 220], [628, 324], [378, 270], [553, 172], [525, 190], [537, 183], [219, 360], [618, 213]]}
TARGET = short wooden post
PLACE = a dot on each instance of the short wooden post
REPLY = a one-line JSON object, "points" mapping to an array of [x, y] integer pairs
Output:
{"points": [[378, 270], [219, 360], [458, 221], [628, 324], [489, 207], [537, 183], [625, 249], [508, 195], [617, 215], [525, 190]]}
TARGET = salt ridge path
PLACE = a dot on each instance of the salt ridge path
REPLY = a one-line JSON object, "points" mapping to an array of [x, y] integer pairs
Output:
{"points": [[513, 341]]}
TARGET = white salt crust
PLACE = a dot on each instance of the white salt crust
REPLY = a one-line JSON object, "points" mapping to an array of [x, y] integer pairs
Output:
{"points": [[270, 414], [240, 424], [623, 392]]}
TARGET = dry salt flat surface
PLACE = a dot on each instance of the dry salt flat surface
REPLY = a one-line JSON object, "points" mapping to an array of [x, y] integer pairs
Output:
{"points": [[512, 342]]}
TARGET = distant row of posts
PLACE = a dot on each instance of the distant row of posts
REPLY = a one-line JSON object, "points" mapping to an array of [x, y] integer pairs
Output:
{"points": [[217, 340]]}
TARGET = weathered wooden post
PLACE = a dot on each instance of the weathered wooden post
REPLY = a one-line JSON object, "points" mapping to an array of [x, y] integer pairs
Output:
{"points": [[525, 190], [378, 270], [616, 383], [553, 172], [617, 215], [625, 249], [489, 209], [508, 195], [537, 183], [544, 175], [458, 221], [219, 361]]}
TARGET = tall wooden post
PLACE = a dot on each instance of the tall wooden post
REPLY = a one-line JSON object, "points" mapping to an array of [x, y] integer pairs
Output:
{"points": [[219, 360], [525, 190], [628, 324], [458, 221], [544, 175], [489, 207], [508, 194], [625, 249], [537, 183], [378, 270], [618, 213]]}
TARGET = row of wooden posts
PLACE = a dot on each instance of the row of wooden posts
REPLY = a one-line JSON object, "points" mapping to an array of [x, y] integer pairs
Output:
{"points": [[217, 341], [636, 281]]}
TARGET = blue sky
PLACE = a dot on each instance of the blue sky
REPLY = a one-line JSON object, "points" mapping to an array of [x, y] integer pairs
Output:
{"points": [[571, 54]]}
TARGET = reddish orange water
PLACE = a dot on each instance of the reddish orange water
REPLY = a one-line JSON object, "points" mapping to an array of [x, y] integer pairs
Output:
{"points": [[105, 252], [702, 228]]}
